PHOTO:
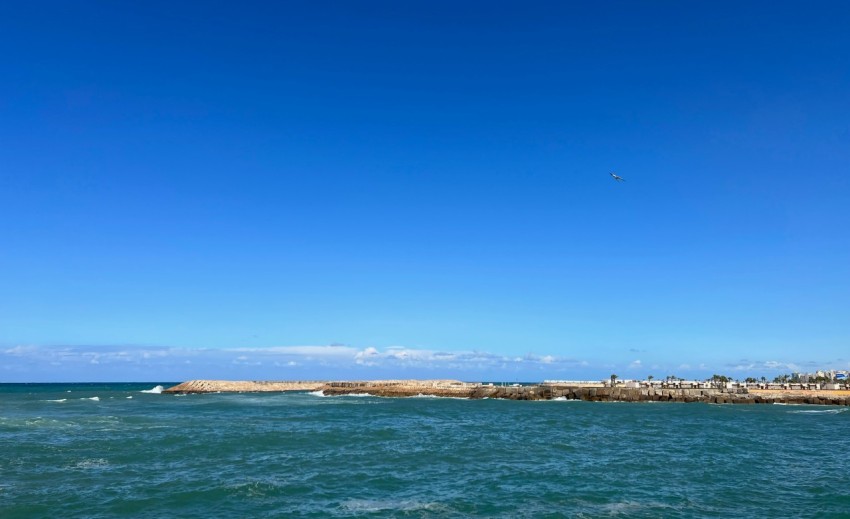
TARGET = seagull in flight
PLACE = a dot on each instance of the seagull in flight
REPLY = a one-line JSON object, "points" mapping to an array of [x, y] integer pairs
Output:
{"points": [[617, 177]]}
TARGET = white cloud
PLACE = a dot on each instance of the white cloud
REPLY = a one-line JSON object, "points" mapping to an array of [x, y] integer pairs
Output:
{"points": [[366, 356], [20, 351], [767, 365], [125, 362], [333, 351]]}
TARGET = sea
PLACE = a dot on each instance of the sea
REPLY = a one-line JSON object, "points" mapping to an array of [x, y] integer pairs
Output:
{"points": [[127, 450]]}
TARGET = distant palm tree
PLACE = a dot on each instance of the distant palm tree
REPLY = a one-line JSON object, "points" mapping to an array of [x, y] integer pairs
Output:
{"points": [[649, 378], [613, 379]]}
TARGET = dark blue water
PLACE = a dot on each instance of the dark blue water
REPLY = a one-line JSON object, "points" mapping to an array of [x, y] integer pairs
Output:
{"points": [[126, 453]]}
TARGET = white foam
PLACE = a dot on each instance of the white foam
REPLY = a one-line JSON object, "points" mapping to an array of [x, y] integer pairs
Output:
{"points": [[818, 411], [420, 395], [322, 394], [131, 396], [94, 398], [155, 390], [384, 505], [57, 400], [91, 463]]}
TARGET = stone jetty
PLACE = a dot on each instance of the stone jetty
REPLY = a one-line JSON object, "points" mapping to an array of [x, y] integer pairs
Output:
{"points": [[243, 386], [458, 389]]}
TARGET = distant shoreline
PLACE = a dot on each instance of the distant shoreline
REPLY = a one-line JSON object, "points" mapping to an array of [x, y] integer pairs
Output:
{"points": [[545, 391]]}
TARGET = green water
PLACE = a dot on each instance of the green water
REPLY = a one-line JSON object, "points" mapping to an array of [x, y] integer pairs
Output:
{"points": [[65, 454]]}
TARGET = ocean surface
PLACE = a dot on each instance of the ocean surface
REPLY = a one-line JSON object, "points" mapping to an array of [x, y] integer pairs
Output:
{"points": [[123, 450]]}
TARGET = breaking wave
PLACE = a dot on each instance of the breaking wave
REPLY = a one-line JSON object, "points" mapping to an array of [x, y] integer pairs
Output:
{"points": [[818, 411], [386, 505]]}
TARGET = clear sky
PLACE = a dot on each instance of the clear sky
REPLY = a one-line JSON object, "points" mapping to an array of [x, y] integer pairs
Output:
{"points": [[416, 189]]}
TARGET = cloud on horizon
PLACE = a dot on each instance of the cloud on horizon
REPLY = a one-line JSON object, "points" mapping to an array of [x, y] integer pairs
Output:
{"points": [[25, 363], [146, 363]]}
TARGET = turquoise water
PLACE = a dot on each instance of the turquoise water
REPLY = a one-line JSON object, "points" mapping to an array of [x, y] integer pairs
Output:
{"points": [[115, 451]]}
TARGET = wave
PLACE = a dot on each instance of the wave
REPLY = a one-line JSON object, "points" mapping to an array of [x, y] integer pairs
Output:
{"points": [[420, 395], [93, 399], [818, 411], [91, 463], [322, 394], [57, 400], [385, 505], [131, 396], [155, 390]]}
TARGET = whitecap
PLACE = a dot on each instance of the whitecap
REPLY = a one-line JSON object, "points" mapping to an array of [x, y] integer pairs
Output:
{"points": [[420, 395], [94, 399], [383, 505], [57, 400], [630, 507], [155, 390], [91, 463], [317, 393], [131, 396], [818, 411]]}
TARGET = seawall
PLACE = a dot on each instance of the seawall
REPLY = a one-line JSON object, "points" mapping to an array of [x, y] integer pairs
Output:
{"points": [[243, 386], [458, 389]]}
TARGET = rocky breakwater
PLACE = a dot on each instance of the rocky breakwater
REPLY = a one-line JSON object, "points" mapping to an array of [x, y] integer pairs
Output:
{"points": [[823, 397], [709, 396], [458, 389], [401, 388], [243, 386], [646, 394], [606, 394]]}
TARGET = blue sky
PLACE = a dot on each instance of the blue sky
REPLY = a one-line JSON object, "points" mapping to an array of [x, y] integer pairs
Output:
{"points": [[418, 189]]}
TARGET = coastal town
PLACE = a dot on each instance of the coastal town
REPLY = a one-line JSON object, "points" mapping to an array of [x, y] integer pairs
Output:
{"points": [[818, 381]]}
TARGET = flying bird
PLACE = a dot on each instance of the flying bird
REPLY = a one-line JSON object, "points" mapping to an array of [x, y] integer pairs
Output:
{"points": [[618, 178]]}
